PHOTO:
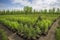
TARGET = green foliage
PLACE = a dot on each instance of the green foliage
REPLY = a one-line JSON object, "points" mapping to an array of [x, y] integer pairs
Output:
{"points": [[27, 9], [44, 25], [3, 35], [57, 34], [24, 23], [20, 28]]}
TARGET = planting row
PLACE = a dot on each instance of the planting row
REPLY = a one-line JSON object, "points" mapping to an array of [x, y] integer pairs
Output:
{"points": [[26, 31], [23, 19]]}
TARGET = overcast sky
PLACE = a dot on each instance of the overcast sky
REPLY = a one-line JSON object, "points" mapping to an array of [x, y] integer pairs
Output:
{"points": [[35, 4]]}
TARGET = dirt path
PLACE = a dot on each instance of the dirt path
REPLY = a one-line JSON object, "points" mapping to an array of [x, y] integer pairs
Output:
{"points": [[11, 35], [51, 33]]}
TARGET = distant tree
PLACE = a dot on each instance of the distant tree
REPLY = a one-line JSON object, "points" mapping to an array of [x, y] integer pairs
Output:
{"points": [[7, 12], [58, 11], [41, 11], [0, 12], [52, 11], [35, 11], [45, 11], [3, 12], [27, 9]]}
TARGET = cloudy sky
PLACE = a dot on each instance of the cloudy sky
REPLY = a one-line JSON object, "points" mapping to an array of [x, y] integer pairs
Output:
{"points": [[35, 4]]}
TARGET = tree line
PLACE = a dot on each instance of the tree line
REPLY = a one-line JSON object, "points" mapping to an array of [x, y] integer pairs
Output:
{"points": [[29, 10]]}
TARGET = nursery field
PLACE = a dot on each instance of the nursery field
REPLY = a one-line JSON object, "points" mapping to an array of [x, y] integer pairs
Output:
{"points": [[30, 26]]}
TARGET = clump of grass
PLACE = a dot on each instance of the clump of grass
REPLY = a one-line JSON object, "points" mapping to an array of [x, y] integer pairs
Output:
{"points": [[3, 35], [57, 35]]}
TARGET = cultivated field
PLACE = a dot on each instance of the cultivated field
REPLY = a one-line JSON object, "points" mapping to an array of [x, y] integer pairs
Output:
{"points": [[30, 25]]}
